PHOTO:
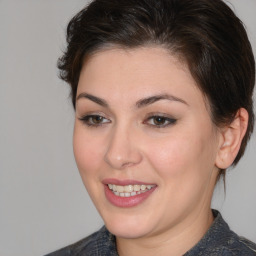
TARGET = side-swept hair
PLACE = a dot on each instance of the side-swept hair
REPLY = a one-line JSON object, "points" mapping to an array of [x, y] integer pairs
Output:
{"points": [[205, 34]]}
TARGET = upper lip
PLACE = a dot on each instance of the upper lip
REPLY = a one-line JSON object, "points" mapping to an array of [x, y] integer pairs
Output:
{"points": [[124, 182]]}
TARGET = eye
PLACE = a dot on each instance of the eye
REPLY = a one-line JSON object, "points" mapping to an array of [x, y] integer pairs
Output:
{"points": [[160, 121], [94, 120]]}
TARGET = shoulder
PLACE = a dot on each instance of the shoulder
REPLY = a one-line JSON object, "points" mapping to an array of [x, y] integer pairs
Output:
{"points": [[233, 244], [249, 245], [221, 241], [237, 246], [229, 243], [98, 243]]}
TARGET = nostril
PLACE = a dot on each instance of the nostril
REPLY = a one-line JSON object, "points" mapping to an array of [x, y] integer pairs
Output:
{"points": [[122, 151], [121, 161], [127, 164]]}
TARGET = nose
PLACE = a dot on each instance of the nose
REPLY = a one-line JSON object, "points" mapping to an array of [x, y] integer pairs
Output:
{"points": [[122, 150]]}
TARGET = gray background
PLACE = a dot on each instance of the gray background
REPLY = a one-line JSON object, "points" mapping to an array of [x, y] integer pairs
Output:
{"points": [[43, 204]]}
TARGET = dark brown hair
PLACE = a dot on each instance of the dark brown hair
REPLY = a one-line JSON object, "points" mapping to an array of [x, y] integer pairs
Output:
{"points": [[206, 34]]}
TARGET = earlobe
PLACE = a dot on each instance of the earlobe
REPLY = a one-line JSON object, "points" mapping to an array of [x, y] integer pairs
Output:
{"points": [[231, 137]]}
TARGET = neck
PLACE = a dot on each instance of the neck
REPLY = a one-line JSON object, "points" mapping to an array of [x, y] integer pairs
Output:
{"points": [[174, 242]]}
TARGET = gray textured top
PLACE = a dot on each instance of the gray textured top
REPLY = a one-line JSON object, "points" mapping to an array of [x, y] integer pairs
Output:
{"points": [[219, 240]]}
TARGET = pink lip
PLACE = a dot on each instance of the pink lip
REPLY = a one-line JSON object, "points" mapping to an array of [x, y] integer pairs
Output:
{"points": [[126, 202]]}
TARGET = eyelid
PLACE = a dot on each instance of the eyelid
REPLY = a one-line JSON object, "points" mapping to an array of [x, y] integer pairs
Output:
{"points": [[167, 118], [171, 120], [86, 117], [92, 113]]}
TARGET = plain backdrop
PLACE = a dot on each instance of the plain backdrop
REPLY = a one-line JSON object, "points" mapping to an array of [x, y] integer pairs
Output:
{"points": [[43, 204]]}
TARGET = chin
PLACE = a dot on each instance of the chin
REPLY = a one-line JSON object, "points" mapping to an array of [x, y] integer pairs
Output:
{"points": [[128, 227]]}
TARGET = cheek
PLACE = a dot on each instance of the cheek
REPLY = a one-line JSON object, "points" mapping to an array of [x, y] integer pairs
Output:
{"points": [[170, 155], [87, 151], [181, 154]]}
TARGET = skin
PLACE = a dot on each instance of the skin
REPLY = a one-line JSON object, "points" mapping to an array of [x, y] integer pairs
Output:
{"points": [[181, 157]]}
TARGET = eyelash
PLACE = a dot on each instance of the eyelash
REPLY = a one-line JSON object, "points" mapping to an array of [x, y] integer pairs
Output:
{"points": [[167, 121], [87, 119]]}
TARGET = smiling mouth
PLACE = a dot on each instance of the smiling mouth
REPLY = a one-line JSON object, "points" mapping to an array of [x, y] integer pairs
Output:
{"points": [[129, 190]]}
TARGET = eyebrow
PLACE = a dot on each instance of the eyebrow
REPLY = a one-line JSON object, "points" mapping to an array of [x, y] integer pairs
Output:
{"points": [[139, 104], [95, 99], [150, 100]]}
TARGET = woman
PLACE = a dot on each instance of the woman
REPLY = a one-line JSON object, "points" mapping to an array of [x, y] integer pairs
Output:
{"points": [[163, 97]]}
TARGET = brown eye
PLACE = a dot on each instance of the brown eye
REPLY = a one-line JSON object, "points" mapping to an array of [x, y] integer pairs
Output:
{"points": [[160, 121], [97, 119], [94, 120]]}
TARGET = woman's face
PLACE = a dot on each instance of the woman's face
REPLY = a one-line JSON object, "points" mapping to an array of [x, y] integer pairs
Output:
{"points": [[144, 142]]}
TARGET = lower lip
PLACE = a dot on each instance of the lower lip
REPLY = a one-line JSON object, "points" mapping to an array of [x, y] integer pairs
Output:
{"points": [[126, 202]]}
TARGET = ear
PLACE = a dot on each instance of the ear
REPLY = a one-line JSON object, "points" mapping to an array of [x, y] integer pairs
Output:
{"points": [[231, 137]]}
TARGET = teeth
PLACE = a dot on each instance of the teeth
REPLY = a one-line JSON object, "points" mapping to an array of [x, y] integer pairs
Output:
{"points": [[136, 188], [143, 187], [129, 190], [120, 189]]}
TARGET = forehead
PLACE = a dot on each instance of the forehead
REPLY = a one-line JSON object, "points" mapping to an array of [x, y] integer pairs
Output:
{"points": [[135, 73]]}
